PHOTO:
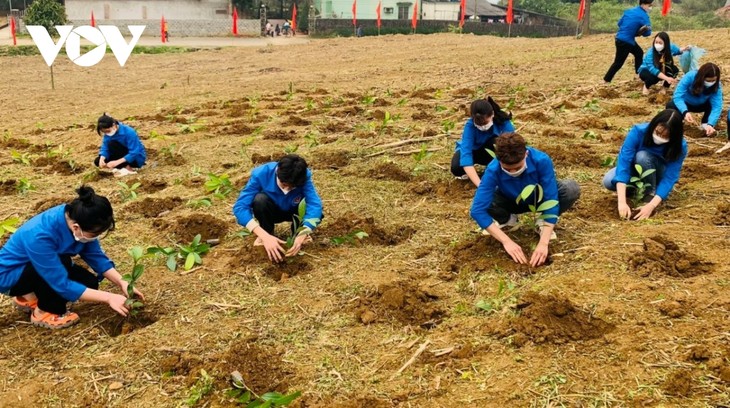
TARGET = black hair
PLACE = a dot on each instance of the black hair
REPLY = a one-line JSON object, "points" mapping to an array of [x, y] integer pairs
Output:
{"points": [[481, 109], [105, 122], [673, 122], [666, 53], [292, 170], [645, 2], [707, 70], [92, 212]]}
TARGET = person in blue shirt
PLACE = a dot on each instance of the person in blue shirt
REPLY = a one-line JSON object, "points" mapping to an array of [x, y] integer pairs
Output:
{"points": [[659, 64], [272, 195], [700, 91], [486, 123], [121, 150], [634, 22], [657, 145], [36, 266], [495, 206]]}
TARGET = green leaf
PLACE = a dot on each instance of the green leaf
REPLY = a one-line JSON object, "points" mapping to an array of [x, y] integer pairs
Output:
{"points": [[634, 179], [135, 252], [539, 193], [312, 221], [189, 261], [302, 209], [137, 303], [527, 191], [197, 258], [648, 172], [484, 305], [196, 240], [137, 271], [638, 168], [547, 216], [531, 207], [491, 153], [547, 205], [172, 262], [361, 234]]}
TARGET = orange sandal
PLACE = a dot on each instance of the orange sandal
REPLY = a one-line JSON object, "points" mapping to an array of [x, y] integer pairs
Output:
{"points": [[54, 321], [24, 305]]}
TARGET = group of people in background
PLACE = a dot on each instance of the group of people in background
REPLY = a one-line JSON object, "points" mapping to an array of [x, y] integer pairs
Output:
{"points": [[37, 269], [274, 31]]}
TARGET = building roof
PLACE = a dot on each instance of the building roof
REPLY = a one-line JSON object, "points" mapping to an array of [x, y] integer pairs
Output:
{"points": [[483, 8]]}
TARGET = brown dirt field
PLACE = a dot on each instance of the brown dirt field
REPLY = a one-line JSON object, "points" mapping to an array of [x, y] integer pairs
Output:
{"points": [[609, 322]]}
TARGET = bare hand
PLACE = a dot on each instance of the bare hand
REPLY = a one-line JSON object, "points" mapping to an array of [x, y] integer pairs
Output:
{"points": [[722, 149], [690, 119], [709, 130], [645, 212], [137, 294], [273, 248], [671, 81], [539, 256], [297, 245], [102, 162], [117, 303], [515, 251], [113, 164], [624, 211]]}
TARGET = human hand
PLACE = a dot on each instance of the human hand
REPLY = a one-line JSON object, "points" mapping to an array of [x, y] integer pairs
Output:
{"points": [[690, 119], [645, 212], [114, 163], [297, 245], [273, 247], [671, 81], [539, 256], [709, 129], [137, 293], [722, 149], [102, 162], [118, 304], [624, 211], [515, 251]]}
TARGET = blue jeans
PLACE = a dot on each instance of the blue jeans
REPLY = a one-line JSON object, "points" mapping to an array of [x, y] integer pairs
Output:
{"points": [[647, 161]]}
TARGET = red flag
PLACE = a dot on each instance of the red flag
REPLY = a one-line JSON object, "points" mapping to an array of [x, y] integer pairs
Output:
{"points": [[162, 28], [377, 12], [666, 6], [414, 21], [235, 21], [510, 14], [463, 13], [354, 12], [294, 18], [93, 20], [12, 30], [581, 10]]}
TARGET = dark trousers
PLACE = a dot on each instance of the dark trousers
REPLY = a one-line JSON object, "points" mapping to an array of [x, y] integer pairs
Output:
{"points": [[480, 157], [705, 108], [48, 299], [116, 152], [268, 214], [651, 79], [623, 49], [502, 206]]}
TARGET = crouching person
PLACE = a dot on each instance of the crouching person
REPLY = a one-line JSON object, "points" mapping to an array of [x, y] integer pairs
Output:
{"points": [[495, 203], [36, 266], [272, 195]]}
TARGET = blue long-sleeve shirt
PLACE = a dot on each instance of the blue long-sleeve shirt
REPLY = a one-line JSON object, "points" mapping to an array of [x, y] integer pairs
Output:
{"points": [[683, 96], [474, 139], [539, 170], [648, 63], [630, 23], [41, 242], [127, 137], [633, 144], [263, 180]]}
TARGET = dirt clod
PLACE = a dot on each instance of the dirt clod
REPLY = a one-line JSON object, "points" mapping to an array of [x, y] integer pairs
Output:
{"points": [[153, 207], [401, 301], [388, 171], [377, 235], [662, 257], [261, 367], [679, 383], [209, 227]]}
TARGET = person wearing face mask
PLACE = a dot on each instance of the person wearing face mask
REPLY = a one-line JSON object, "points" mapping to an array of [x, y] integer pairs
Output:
{"points": [[700, 91], [633, 23], [272, 195], [121, 150], [36, 266], [657, 145], [658, 63], [486, 123], [494, 205]]}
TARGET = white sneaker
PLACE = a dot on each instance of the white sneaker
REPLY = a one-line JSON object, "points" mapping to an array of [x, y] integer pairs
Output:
{"points": [[511, 222], [123, 172], [464, 177], [541, 224]]}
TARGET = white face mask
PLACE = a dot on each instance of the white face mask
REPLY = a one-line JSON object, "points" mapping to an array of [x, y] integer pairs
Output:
{"points": [[111, 132], [659, 47], [516, 173], [486, 127], [282, 188], [82, 238], [658, 139], [709, 84]]}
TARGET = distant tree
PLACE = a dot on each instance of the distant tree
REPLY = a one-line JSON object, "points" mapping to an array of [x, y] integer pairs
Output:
{"points": [[46, 13]]}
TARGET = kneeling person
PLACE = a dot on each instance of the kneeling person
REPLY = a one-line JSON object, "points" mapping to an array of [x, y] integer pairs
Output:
{"points": [[272, 195], [516, 167]]}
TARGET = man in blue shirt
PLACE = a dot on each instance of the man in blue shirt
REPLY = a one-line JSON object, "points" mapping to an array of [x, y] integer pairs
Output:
{"points": [[634, 22], [495, 205], [272, 195]]}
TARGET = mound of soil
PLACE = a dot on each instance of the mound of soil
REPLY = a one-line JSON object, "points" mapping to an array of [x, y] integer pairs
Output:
{"points": [[534, 116], [452, 190], [722, 215], [701, 171], [679, 383], [286, 269], [209, 227], [591, 123], [426, 93], [331, 160], [117, 326], [237, 128], [377, 235], [600, 208], [629, 110], [153, 207], [46, 203], [261, 367], [662, 257], [700, 152], [553, 319], [557, 133], [608, 93], [257, 158], [280, 135], [8, 187], [296, 121], [389, 171], [64, 167], [336, 127], [401, 301], [148, 186], [179, 363], [673, 308], [659, 99], [348, 112], [480, 254], [462, 93], [578, 154]]}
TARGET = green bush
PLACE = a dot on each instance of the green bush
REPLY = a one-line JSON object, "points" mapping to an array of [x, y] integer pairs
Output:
{"points": [[46, 13]]}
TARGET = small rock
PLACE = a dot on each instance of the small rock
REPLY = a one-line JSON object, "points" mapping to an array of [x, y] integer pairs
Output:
{"points": [[367, 317], [116, 385]]}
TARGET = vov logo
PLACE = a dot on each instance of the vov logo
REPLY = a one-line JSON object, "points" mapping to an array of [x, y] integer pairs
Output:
{"points": [[101, 37]]}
